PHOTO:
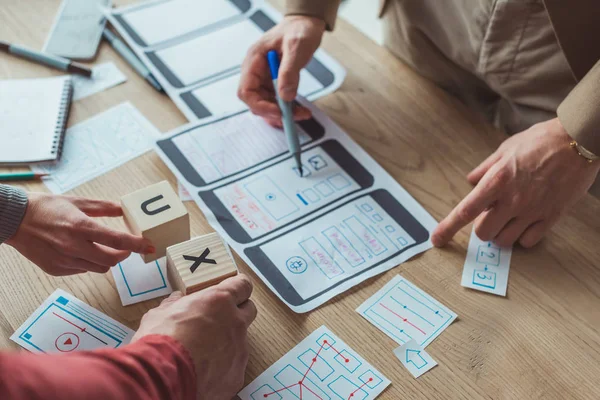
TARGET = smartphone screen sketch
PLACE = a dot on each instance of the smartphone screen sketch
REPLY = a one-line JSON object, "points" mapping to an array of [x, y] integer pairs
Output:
{"points": [[355, 237], [270, 199], [217, 150]]}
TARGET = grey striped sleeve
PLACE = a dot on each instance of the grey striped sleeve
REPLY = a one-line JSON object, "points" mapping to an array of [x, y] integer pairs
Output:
{"points": [[13, 203]]}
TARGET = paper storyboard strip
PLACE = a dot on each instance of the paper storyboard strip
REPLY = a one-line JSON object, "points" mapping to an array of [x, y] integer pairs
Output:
{"points": [[63, 324], [486, 267], [97, 145], [137, 281], [184, 195], [416, 360], [310, 237], [322, 366], [404, 312], [104, 76]]}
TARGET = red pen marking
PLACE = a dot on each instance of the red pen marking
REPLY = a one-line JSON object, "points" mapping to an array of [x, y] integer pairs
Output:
{"points": [[66, 320], [301, 382], [361, 386], [80, 328], [403, 319]]}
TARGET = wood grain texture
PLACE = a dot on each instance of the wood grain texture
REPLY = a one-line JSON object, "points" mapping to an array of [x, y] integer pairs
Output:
{"points": [[205, 274], [540, 342]]}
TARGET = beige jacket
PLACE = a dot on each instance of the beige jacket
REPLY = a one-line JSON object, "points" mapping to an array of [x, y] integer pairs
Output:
{"points": [[577, 27]]}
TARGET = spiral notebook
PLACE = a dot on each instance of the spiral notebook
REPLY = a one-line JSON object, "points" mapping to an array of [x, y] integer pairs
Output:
{"points": [[33, 119]]}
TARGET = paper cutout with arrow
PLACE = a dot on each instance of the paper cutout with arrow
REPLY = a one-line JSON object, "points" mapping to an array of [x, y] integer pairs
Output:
{"points": [[414, 358]]}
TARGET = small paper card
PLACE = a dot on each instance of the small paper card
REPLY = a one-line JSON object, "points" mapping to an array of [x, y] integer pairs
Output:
{"points": [[321, 366], [404, 312], [137, 281], [486, 267], [414, 358], [63, 324]]}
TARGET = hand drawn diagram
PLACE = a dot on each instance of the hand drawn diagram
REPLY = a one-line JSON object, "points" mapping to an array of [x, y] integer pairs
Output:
{"points": [[414, 358], [98, 145], [404, 312], [321, 367], [486, 266], [65, 324]]}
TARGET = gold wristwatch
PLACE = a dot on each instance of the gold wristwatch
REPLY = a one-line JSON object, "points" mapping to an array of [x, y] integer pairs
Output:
{"points": [[583, 152]]}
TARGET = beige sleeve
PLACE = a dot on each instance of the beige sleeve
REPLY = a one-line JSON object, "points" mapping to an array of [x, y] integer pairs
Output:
{"points": [[579, 113], [324, 9]]}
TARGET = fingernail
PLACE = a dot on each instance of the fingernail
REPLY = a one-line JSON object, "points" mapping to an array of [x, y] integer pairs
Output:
{"points": [[288, 93], [150, 250]]}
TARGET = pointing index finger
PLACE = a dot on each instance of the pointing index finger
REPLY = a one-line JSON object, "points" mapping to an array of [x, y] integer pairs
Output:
{"points": [[101, 234], [477, 201]]}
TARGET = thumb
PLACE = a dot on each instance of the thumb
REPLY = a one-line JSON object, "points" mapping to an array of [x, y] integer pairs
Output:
{"points": [[294, 58]]}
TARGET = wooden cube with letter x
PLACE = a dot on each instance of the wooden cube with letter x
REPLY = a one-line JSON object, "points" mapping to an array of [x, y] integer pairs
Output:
{"points": [[199, 263], [157, 213]]}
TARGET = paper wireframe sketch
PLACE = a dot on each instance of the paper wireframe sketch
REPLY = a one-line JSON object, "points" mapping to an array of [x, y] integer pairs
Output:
{"points": [[104, 76], [311, 237], [486, 266], [184, 195], [404, 312], [175, 46], [416, 360], [99, 144], [322, 366], [63, 324], [137, 281]]}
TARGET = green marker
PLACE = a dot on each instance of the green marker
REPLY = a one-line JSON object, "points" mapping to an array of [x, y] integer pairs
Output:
{"points": [[21, 176]]}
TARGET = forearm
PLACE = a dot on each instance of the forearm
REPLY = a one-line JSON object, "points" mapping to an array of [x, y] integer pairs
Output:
{"points": [[155, 367], [13, 203], [323, 9], [579, 113]]}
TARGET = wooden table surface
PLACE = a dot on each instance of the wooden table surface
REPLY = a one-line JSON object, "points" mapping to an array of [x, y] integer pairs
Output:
{"points": [[542, 341]]}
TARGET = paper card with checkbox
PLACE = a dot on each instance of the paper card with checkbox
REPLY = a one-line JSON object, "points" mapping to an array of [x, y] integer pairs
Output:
{"points": [[414, 358], [63, 324], [139, 281], [486, 267]]}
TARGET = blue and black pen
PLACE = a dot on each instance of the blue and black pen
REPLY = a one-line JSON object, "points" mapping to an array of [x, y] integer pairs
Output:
{"points": [[289, 127]]}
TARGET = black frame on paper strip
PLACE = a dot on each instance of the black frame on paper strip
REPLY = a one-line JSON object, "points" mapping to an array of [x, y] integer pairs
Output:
{"points": [[311, 127], [286, 290], [333, 148], [242, 5]]}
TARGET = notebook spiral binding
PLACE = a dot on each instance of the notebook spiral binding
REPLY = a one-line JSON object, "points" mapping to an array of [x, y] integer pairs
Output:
{"points": [[63, 117]]}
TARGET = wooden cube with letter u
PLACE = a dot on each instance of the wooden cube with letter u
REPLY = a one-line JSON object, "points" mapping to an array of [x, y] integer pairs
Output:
{"points": [[199, 263], [157, 213]]}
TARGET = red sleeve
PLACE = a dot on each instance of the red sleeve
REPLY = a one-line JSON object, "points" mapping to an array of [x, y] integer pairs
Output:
{"points": [[155, 367]]}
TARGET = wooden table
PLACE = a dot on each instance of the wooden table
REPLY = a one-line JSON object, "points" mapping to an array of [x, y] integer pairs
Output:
{"points": [[542, 341]]}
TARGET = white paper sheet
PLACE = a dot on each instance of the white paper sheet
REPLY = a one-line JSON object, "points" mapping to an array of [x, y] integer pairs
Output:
{"points": [[308, 238], [184, 195], [164, 20], [404, 312], [139, 281], [188, 60], [220, 97], [486, 267], [97, 145], [200, 70], [63, 324], [322, 366], [104, 76], [416, 360]]}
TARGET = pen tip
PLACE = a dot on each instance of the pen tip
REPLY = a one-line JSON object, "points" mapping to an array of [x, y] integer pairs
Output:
{"points": [[301, 171]]}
